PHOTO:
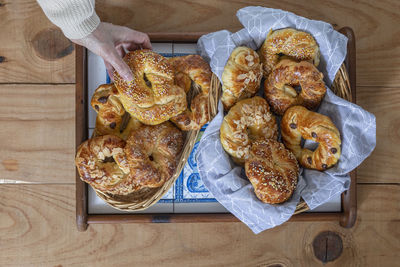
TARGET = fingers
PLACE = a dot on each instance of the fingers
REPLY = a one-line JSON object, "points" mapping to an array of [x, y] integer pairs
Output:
{"points": [[120, 50], [135, 37], [110, 70], [119, 65]]}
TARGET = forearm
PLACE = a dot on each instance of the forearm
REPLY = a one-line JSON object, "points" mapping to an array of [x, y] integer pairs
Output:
{"points": [[76, 18]]}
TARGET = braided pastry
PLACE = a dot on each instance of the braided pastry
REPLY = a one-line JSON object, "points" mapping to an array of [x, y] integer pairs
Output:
{"points": [[287, 73], [152, 97], [289, 42], [193, 69], [272, 170], [248, 120], [110, 117], [152, 152], [101, 162], [297, 123], [241, 77]]}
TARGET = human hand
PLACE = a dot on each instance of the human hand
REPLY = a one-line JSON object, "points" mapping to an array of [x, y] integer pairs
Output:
{"points": [[110, 42]]}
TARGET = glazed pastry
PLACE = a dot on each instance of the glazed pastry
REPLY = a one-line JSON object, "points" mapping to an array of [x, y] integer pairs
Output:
{"points": [[250, 119], [241, 77], [289, 42], [152, 96], [192, 69], [272, 170], [111, 116], [152, 153], [297, 123], [279, 91], [102, 163]]}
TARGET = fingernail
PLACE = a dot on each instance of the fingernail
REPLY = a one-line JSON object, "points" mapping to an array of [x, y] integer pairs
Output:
{"points": [[127, 77]]}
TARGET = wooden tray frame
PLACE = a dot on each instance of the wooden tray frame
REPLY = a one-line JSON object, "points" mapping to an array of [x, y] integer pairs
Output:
{"points": [[346, 217]]}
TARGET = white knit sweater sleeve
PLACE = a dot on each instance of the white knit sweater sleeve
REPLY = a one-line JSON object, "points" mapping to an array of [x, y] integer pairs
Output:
{"points": [[76, 18]]}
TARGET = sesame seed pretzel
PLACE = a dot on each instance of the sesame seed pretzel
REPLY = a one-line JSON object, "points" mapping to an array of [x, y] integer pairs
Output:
{"points": [[287, 73], [289, 42], [241, 77], [297, 123], [152, 96], [248, 120], [272, 170]]}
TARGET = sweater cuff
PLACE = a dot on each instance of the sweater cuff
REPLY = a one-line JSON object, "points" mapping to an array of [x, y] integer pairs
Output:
{"points": [[83, 28]]}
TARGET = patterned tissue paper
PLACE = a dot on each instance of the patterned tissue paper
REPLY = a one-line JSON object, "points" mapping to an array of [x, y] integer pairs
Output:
{"points": [[226, 181]]}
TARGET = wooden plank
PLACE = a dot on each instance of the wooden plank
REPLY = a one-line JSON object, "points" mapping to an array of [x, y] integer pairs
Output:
{"points": [[381, 166], [378, 53], [32, 49], [37, 133], [37, 227], [35, 51]]}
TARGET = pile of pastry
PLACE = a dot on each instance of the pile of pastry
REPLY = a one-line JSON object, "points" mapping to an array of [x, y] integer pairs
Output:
{"points": [[293, 88], [138, 134]]}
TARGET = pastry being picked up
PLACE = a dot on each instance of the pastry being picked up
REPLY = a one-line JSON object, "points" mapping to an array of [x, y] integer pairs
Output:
{"points": [[298, 45], [192, 73], [248, 120], [241, 77], [297, 123], [279, 87], [152, 96], [272, 170]]}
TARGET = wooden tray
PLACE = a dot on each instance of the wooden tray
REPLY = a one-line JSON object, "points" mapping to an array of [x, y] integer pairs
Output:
{"points": [[346, 217]]}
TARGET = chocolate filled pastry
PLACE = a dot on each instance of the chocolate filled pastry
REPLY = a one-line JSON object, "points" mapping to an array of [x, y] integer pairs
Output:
{"points": [[193, 71], [102, 163], [279, 87], [152, 96], [111, 116], [250, 119], [272, 170], [298, 123], [241, 77], [152, 153], [289, 42]]}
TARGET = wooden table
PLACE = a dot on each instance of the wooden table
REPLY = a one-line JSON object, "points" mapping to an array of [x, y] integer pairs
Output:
{"points": [[37, 89]]}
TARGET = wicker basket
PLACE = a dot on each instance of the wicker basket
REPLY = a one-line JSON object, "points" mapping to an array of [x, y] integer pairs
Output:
{"points": [[341, 87], [146, 197]]}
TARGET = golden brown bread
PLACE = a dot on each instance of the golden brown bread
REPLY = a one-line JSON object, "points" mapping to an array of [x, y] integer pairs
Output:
{"points": [[152, 96], [152, 153], [297, 123], [110, 113], [248, 120], [272, 170], [101, 162], [289, 42], [279, 91], [192, 69], [241, 77]]}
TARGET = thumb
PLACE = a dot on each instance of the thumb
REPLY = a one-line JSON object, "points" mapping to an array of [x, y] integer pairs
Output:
{"points": [[120, 66]]}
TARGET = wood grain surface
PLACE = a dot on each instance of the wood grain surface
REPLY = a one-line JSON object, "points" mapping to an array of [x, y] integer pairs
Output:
{"points": [[375, 24], [37, 133], [384, 102], [32, 49], [37, 221]]}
